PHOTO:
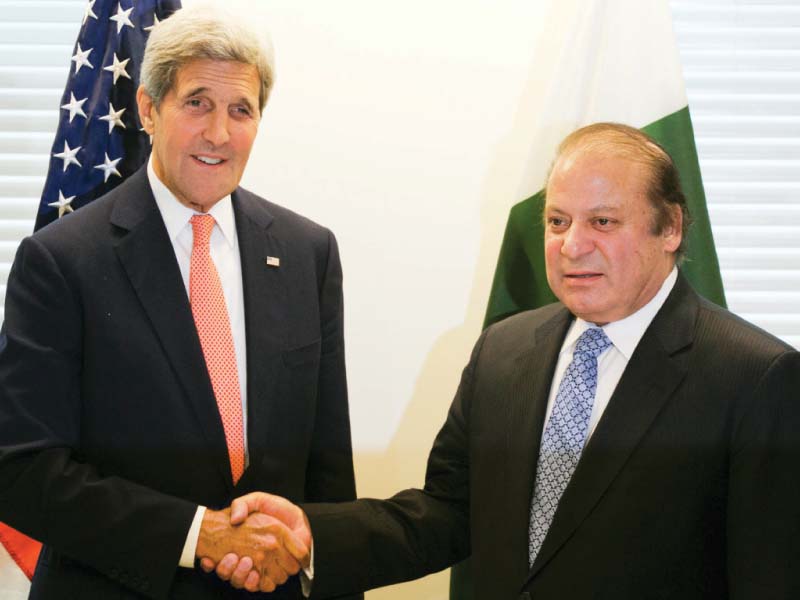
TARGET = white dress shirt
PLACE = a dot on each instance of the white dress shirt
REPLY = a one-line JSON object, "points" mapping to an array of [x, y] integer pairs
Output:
{"points": [[224, 247], [624, 335]]}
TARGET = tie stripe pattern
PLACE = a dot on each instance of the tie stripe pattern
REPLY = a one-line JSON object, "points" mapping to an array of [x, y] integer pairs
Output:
{"points": [[565, 434], [214, 329]]}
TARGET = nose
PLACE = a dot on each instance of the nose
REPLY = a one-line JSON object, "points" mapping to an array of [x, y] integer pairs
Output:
{"points": [[216, 131], [577, 242]]}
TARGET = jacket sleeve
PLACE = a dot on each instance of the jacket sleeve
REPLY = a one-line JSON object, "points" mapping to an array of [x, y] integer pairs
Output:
{"points": [[764, 495], [371, 543], [128, 532], [329, 474]]}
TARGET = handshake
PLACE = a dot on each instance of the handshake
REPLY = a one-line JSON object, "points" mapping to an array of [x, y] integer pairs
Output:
{"points": [[257, 543]]}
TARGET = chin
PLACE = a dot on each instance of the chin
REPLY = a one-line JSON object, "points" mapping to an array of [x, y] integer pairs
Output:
{"points": [[591, 314]]}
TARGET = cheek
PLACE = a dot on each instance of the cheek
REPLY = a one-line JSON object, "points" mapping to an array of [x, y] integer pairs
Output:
{"points": [[243, 135], [552, 245]]}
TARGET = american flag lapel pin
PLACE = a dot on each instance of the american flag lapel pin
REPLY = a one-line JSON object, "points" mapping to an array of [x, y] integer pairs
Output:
{"points": [[273, 261]]}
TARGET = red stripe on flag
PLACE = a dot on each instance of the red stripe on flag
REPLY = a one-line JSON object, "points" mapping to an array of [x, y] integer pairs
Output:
{"points": [[24, 550]]}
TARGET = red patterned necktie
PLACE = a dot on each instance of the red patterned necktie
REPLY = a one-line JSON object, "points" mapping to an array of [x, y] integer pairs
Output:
{"points": [[214, 328]]}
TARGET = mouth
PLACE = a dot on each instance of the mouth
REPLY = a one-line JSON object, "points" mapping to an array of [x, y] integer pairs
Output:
{"points": [[579, 276], [211, 161]]}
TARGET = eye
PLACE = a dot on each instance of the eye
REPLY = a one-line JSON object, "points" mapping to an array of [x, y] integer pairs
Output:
{"points": [[557, 223], [604, 222], [196, 104], [241, 112]]}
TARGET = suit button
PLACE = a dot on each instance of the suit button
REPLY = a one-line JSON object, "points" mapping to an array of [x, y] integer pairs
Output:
{"points": [[114, 573]]}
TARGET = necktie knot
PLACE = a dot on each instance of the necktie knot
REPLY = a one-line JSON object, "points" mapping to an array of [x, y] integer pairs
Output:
{"points": [[592, 341], [202, 226]]}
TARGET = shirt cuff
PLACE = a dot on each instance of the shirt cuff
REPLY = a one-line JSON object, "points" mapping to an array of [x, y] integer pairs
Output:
{"points": [[307, 575], [190, 546]]}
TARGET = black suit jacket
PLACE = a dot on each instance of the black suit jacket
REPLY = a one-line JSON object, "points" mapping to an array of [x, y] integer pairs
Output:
{"points": [[110, 435], [689, 487]]}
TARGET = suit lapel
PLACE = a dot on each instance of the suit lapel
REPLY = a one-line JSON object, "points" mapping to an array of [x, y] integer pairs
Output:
{"points": [[651, 376], [533, 373], [266, 324], [148, 259]]}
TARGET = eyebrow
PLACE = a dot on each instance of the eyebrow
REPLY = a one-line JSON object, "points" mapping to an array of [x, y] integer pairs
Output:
{"points": [[195, 92], [594, 210], [604, 208]]}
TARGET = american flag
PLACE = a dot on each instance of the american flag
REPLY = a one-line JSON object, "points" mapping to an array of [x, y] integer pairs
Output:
{"points": [[99, 141]]}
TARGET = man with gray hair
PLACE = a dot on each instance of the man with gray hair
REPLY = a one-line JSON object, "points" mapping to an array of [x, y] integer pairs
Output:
{"points": [[174, 345]]}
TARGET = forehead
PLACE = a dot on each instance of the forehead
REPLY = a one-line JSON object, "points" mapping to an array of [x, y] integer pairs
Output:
{"points": [[589, 180], [222, 77]]}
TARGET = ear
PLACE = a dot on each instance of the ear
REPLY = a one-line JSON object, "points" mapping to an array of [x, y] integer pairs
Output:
{"points": [[672, 233], [146, 109]]}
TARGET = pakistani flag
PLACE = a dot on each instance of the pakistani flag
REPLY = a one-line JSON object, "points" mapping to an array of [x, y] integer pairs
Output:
{"points": [[599, 60]]}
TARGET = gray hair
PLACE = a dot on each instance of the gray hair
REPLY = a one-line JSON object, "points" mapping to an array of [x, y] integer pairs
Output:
{"points": [[202, 32]]}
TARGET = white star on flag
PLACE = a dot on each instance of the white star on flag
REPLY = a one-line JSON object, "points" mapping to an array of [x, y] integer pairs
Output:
{"points": [[63, 204], [74, 107], [118, 68], [89, 12], [122, 18], [68, 155], [109, 167], [114, 117], [81, 59], [155, 23]]}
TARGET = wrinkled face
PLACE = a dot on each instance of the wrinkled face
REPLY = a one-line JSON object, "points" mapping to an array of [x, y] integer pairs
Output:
{"points": [[204, 129], [603, 261]]}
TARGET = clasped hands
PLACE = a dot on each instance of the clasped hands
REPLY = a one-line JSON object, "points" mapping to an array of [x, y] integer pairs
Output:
{"points": [[257, 543]]}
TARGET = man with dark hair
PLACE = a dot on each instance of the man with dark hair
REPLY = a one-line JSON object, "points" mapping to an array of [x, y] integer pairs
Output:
{"points": [[631, 441], [173, 345]]}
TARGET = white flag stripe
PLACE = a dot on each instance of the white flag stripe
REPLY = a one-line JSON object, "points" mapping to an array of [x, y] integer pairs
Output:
{"points": [[596, 62]]}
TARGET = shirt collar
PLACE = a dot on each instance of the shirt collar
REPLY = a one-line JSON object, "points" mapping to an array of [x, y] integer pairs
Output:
{"points": [[625, 333], [176, 215]]}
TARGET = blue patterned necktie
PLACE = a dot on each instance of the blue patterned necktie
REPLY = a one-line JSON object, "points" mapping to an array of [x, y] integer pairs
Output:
{"points": [[565, 434]]}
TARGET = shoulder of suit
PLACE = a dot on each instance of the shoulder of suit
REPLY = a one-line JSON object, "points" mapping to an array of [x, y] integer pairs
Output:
{"points": [[730, 332], [86, 224], [282, 216], [523, 323]]}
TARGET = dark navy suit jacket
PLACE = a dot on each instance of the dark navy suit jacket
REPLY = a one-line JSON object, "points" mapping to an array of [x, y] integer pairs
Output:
{"points": [[109, 431]]}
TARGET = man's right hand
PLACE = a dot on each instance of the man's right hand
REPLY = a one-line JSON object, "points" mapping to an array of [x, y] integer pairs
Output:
{"points": [[254, 551]]}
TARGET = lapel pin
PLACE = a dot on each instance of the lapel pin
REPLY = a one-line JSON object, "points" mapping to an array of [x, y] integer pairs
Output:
{"points": [[273, 261]]}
